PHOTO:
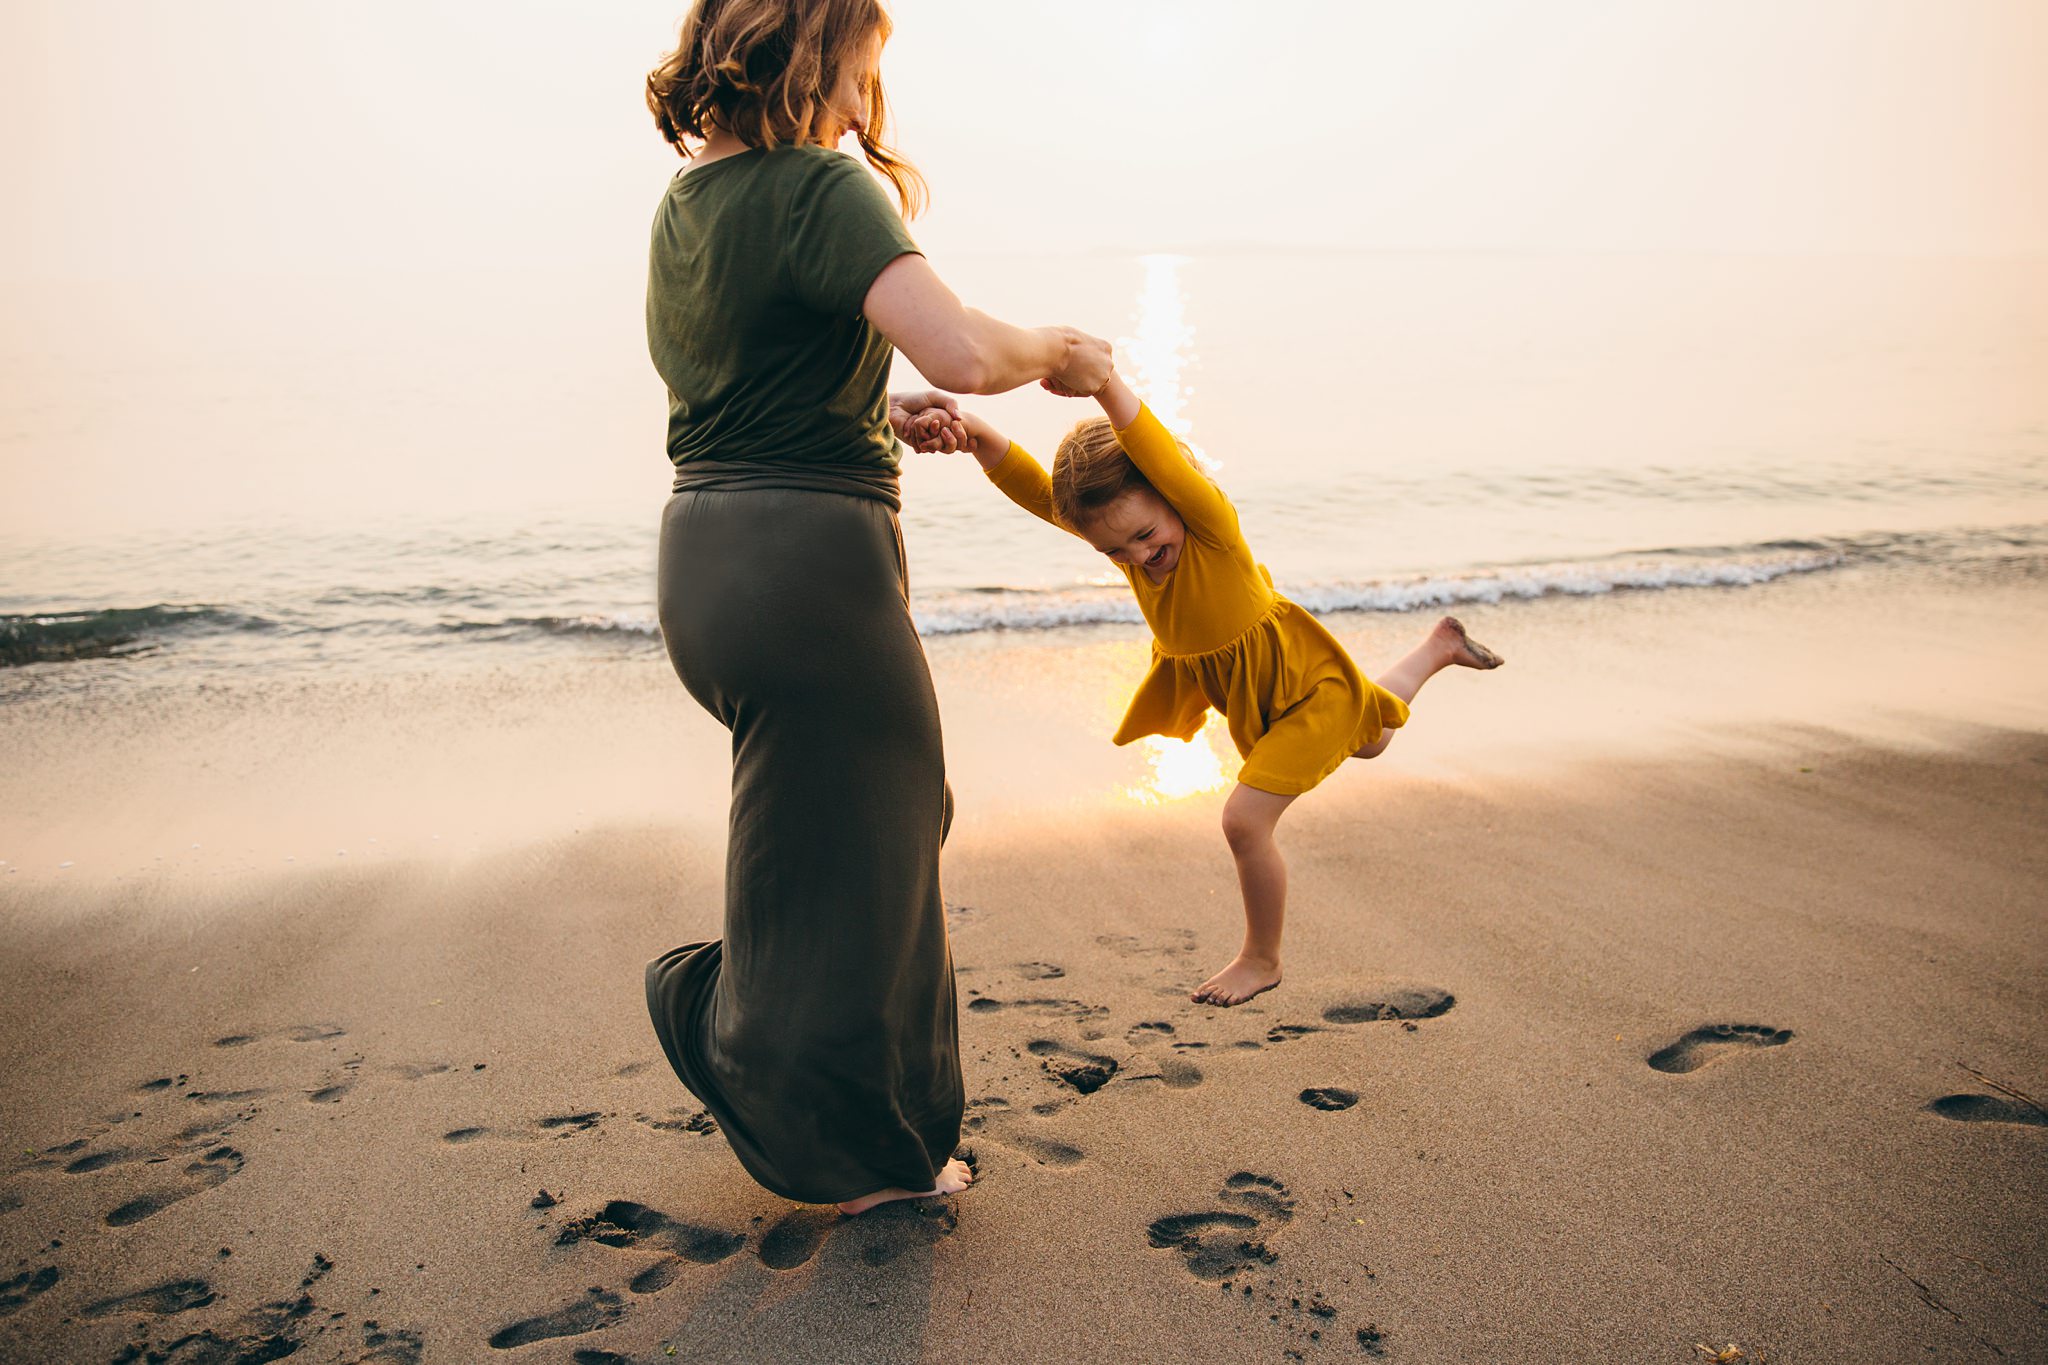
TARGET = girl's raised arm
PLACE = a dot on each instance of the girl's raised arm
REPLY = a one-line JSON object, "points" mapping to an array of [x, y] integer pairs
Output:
{"points": [[1165, 465]]}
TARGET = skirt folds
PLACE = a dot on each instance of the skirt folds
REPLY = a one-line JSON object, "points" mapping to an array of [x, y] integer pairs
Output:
{"points": [[821, 1031]]}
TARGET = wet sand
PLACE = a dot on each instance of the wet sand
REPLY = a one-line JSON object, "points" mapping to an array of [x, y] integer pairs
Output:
{"points": [[1610, 1026]]}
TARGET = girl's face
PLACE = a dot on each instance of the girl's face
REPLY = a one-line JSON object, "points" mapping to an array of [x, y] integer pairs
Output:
{"points": [[846, 106], [1140, 529]]}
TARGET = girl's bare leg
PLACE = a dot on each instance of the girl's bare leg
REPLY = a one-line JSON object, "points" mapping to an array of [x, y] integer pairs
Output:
{"points": [[1446, 645], [952, 1178], [1249, 819]]}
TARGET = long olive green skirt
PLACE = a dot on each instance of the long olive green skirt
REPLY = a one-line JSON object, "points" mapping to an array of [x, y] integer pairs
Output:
{"points": [[821, 1031]]}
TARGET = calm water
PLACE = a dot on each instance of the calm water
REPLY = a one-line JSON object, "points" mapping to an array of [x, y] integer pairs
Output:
{"points": [[435, 477]]}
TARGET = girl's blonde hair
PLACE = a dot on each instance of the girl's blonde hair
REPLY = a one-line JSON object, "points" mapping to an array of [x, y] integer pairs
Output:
{"points": [[1091, 470], [763, 69]]}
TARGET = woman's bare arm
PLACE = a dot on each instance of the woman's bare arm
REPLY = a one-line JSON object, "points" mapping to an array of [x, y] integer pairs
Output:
{"points": [[966, 350]]}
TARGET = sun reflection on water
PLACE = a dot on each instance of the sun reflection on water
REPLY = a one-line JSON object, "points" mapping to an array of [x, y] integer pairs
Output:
{"points": [[1163, 343], [1159, 352]]}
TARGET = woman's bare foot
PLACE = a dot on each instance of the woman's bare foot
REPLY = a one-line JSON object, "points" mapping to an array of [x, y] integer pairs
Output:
{"points": [[1464, 651], [952, 1178], [1244, 978]]}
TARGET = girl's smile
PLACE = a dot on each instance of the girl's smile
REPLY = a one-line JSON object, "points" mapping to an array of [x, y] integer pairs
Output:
{"points": [[1140, 529]]}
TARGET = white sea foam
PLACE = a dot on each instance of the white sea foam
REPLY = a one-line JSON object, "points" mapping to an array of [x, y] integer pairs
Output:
{"points": [[964, 613]]}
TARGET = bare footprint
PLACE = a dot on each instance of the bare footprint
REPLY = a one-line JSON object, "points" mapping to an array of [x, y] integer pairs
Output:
{"points": [[1086, 1072], [1044, 1150], [201, 1175], [1712, 1041], [796, 1237], [1072, 1009], [1217, 1245], [894, 1229], [598, 1308], [18, 1290], [161, 1300], [623, 1223], [1400, 1002], [1988, 1109]]}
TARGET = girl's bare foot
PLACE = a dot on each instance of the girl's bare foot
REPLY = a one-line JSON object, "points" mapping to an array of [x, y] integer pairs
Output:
{"points": [[952, 1178], [1244, 978], [1463, 649]]}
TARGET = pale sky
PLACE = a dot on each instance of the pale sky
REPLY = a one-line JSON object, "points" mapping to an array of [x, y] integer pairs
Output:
{"points": [[197, 138]]}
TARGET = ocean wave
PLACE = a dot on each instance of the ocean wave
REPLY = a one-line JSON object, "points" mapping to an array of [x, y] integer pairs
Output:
{"points": [[962, 613], [109, 632], [593, 625], [330, 626]]}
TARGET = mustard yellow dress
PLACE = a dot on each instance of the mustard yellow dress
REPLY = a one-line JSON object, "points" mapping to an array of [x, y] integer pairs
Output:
{"points": [[1296, 704]]}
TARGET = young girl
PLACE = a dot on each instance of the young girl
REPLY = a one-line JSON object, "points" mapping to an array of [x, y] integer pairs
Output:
{"points": [[1296, 704]]}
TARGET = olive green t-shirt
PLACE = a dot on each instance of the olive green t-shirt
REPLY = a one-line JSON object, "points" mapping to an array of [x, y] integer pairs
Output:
{"points": [[759, 266]]}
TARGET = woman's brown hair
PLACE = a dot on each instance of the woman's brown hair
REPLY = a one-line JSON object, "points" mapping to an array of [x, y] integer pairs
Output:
{"points": [[763, 69]]}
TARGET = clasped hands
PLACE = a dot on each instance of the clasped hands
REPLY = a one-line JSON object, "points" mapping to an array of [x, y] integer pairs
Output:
{"points": [[929, 421]]}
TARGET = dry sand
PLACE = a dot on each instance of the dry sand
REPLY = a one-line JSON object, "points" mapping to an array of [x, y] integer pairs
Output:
{"points": [[1704, 1042]]}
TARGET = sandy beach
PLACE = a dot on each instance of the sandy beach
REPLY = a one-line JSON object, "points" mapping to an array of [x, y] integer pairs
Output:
{"points": [[1612, 1024]]}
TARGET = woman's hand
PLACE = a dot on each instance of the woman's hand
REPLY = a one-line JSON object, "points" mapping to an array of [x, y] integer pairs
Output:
{"points": [[927, 420], [934, 431], [1085, 368], [1119, 404]]}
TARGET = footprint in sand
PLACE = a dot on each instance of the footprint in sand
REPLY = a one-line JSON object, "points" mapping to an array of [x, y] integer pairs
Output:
{"points": [[1176, 1073], [99, 1161], [1174, 943], [796, 1237], [200, 1176], [994, 1109], [17, 1291], [1040, 971], [1988, 1109], [161, 1300], [981, 1109], [226, 1096], [598, 1308], [1710, 1042], [1400, 1002], [1071, 1009], [1086, 1072], [680, 1120], [1046, 1151], [280, 1327], [559, 1126], [297, 1033], [1328, 1098], [623, 1223], [1219, 1243], [390, 1346], [883, 1234]]}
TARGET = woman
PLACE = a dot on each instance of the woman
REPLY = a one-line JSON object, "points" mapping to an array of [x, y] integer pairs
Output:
{"points": [[821, 1032]]}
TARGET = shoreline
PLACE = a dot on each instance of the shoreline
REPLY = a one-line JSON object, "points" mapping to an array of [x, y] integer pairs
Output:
{"points": [[219, 780]]}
